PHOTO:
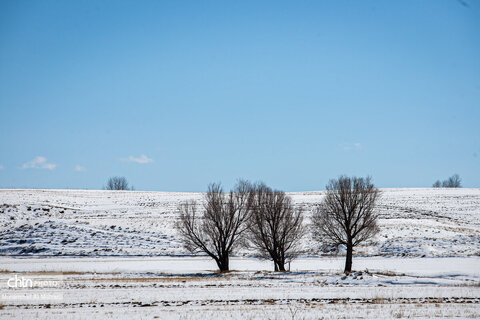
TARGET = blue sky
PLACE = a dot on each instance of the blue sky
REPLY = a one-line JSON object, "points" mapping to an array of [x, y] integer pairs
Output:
{"points": [[176, 94]]}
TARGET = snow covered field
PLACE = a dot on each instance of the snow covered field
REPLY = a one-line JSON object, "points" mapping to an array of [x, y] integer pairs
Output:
{"points": [[189, 288], [106, 254], [414, 222]]}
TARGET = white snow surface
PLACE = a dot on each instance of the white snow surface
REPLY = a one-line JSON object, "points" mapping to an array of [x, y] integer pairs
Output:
{"points": [[116, 255], [190, 288], [413, 223]]}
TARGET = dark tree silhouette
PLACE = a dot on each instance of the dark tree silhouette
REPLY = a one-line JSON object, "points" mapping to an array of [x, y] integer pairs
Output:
{"points": [[219, 229], [275, 227], [117, 183], [453, 182], [347, 214]]}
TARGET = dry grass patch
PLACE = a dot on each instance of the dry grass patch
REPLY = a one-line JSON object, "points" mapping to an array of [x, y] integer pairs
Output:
{"points": [[159, 279]]}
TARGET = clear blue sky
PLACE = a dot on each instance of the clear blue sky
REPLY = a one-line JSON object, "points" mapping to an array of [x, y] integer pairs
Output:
{"points": [[176, 94]]}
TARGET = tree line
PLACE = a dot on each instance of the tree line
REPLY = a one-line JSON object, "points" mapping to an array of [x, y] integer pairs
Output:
{"points": [[452, 182], [257, 217], [121, 183]]}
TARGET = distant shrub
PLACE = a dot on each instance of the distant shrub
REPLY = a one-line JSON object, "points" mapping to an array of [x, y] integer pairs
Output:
{"points": [[452, 182], [118, 183]]}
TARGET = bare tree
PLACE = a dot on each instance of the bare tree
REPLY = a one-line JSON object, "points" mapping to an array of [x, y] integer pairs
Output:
{"points": [[347, 214], [453, 182], [219, 229], [275, 227], [117, 183]]}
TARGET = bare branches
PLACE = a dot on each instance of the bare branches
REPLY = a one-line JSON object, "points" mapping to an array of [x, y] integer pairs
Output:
{"points": [[452, 182], [117, 183], [218, 231], [346, 215], [259, 217], [190, 228], [275, 228]]}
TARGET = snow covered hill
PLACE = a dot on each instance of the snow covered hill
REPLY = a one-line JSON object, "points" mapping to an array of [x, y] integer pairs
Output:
{"points": [[413, 222]]}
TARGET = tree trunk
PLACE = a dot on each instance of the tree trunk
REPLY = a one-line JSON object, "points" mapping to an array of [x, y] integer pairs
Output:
{"points": [[222, 263], [281, 265], [276, 265], [348, 261]]}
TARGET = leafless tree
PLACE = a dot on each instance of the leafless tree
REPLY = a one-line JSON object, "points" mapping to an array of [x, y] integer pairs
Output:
{"points": [[452, 182], [219, 228], [117, 183], [275, 227], [347, 214]]}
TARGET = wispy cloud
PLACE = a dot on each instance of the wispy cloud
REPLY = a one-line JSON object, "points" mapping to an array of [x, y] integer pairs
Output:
{"points": [[39, 163], [1, 167], [79, 168], [351, 146], [142, 159]]}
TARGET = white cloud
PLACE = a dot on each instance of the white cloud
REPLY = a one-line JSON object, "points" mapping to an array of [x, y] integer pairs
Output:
{"points": [[142, 159], [79, 168], [352, 146], [39, 163], [1, 167]]}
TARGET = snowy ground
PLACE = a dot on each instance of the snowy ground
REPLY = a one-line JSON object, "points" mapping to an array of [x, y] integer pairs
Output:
{"points": [[414, 222], [189, 288], [115, 255]]}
